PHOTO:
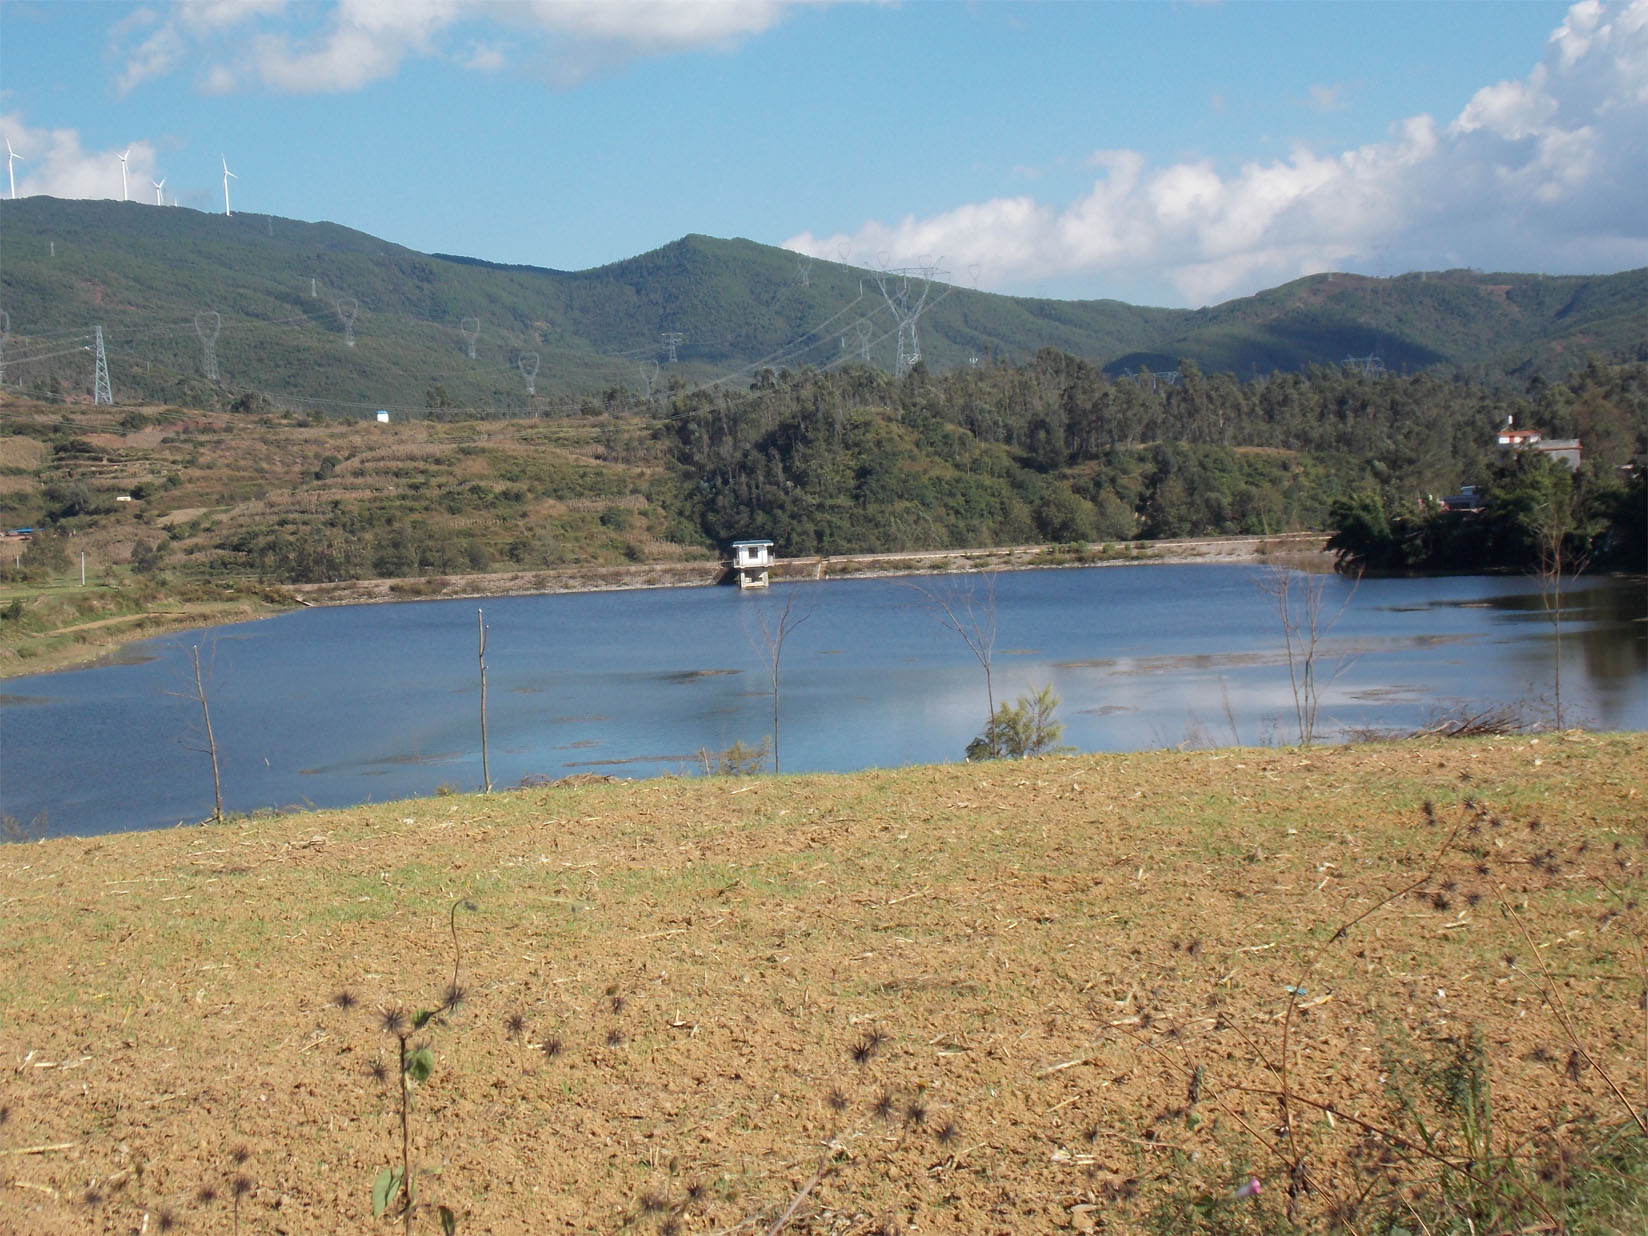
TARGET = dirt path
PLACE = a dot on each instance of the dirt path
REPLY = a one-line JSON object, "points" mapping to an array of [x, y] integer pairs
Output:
{"points": [[161, 614]]}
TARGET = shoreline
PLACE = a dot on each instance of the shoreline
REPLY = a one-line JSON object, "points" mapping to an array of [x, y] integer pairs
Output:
{"points": [[1305, 550], [1299, 548]]}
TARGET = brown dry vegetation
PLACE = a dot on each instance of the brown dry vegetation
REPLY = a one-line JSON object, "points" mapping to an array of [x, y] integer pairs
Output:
{"points": [[206, 476], [990, 998]]}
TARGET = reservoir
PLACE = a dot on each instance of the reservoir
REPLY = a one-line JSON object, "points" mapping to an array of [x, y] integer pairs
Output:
{"points": [[334, 706]]}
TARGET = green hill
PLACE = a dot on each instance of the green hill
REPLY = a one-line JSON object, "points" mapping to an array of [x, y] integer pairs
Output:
{"points": [[314, 315]]}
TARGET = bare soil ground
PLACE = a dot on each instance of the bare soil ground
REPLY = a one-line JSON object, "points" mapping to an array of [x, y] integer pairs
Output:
{"points": [[1000, 998]]}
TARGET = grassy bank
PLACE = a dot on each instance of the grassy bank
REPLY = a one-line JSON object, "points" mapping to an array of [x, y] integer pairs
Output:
{"points": [[61, 623], [1399, 985]]}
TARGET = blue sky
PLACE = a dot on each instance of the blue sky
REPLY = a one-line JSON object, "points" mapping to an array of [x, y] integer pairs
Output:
{"points": [[1160, 153]]}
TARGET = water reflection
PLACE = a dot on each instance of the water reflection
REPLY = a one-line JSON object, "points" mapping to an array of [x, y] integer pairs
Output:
{"points": [[337, 706]]}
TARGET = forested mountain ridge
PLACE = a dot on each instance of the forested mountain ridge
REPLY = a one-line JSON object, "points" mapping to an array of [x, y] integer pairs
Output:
{"points": [[316, 316]]}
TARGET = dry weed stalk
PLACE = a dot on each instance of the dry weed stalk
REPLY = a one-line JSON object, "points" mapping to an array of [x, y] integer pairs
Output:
{"points": [[1489, 1175]]}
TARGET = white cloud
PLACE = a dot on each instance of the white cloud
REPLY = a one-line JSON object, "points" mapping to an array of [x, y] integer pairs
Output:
{"points": [[485, 58], [53, 163], [1509, 109], [657, 25], [170, 42], [1328, 98], [1546, 171], [301, 49]]}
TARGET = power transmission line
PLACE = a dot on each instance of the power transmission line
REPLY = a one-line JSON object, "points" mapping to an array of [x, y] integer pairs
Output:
{"points": [[591, 365]]}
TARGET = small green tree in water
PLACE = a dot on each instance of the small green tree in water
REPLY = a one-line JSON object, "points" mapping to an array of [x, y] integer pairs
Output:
{"points": [[1021, 729]]}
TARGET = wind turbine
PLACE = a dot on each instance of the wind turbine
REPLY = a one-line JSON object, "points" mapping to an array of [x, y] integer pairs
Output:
{"points": [[227, 177], [11, 157], [125, 196], [159, 185]]}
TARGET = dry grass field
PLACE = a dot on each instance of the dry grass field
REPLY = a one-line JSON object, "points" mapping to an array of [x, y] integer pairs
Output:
{"points": [[1401, 986]]}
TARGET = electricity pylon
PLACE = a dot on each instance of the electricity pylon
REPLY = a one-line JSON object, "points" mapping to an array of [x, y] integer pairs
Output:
{"points": [[348, 308], [100, 385], [207, 326], [905, 291]]}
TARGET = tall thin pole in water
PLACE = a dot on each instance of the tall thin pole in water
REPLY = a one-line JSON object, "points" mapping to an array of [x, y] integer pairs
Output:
{"points": [[486, 769], [211, 742]]}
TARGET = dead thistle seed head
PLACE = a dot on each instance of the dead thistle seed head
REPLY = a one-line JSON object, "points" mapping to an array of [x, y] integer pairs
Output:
{"points": [[206, 1194], [393, 1021], [344, 999], [551, 1047], [836, 1100], [882, 1107], [515, 1024], [949, 1133], [239, 1154], [241, 1185]]}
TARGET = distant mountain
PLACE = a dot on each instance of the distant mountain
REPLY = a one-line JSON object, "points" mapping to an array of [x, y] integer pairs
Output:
{"points": [[322, 316]]}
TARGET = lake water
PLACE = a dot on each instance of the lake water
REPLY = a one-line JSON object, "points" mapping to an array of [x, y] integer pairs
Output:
{"points": [[335, 706]]}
